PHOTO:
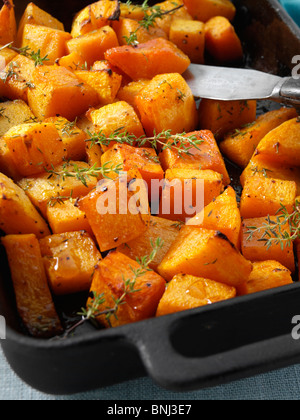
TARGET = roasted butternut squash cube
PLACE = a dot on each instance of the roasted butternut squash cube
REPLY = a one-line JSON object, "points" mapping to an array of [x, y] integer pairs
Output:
{"points": [[265, 196], [158, 228], [222, 41], [266, 275], [63, 216], [93, 154], [95, 16], [188, 292], [240, 144], [221, 214], [189, 36], [187, 191], [143, 159], [73, 138], [93, 45], [52, 43], [6, 56], [118, 210], [84, 22], [144, 61], [33, 297], [16, 78], [259, 167], [33, 15], [206, 156], [254, 242], [167, 103], [131, 11], [7, 163], [172, 10], [35, 147], [43, 189], [72, 61], [105, 82], [204, 10], [8, 24], [17, 213], [124, 28], [117, 117], [282, 144], [59, 92], [205, 253], [223, 117], [109, 279], [14, 113], [130, 91], [70, 260]]}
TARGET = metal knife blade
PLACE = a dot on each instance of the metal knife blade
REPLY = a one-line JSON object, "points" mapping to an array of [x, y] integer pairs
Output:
{"points": [[228, 84]]}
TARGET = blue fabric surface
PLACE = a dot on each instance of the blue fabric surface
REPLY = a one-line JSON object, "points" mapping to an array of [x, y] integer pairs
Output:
{"points": [[278, 385], [293, 8]]}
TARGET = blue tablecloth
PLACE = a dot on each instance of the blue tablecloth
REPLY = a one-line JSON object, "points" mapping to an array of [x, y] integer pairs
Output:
{"points": [[278, 385], [293, 8]]}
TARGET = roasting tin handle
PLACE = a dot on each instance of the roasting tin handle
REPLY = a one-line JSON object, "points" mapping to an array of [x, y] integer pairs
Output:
{"points": [[203, 348]]}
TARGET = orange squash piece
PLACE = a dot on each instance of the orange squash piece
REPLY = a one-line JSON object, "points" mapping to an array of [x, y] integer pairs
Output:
{"points": [[166, 230], [44, 188], [95, 16], [265, 196], [117, 117], [187, 191], [8, 25], [131, 11], [189, 36], [240, 145], [173, 10], [298, 255], [93, 45], [204, 10], [222, 41], [188, 292], [34, 301], [129, 92], [144, 61], [6, 56], [34, 147], [125, 27], [69, 259], [223, 117], [222, 214], [59, 92], [105, 82], [167, 103], [143, 159], [16, 78], [52, 43], [116, 211], [109, 279], [205, 253], [255, 249], [14, 113], [17, 213], [206, 156], [72, 61], [282, 145], [63, 216], [259, 167], [33, 15], [266, 275], [73, 138]]}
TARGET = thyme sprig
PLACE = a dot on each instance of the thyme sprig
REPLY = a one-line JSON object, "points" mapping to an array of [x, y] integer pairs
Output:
{"points": [[274, 232], [27, 52], [84, 174], [93, 311], [182, 143], [151, 14]]}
